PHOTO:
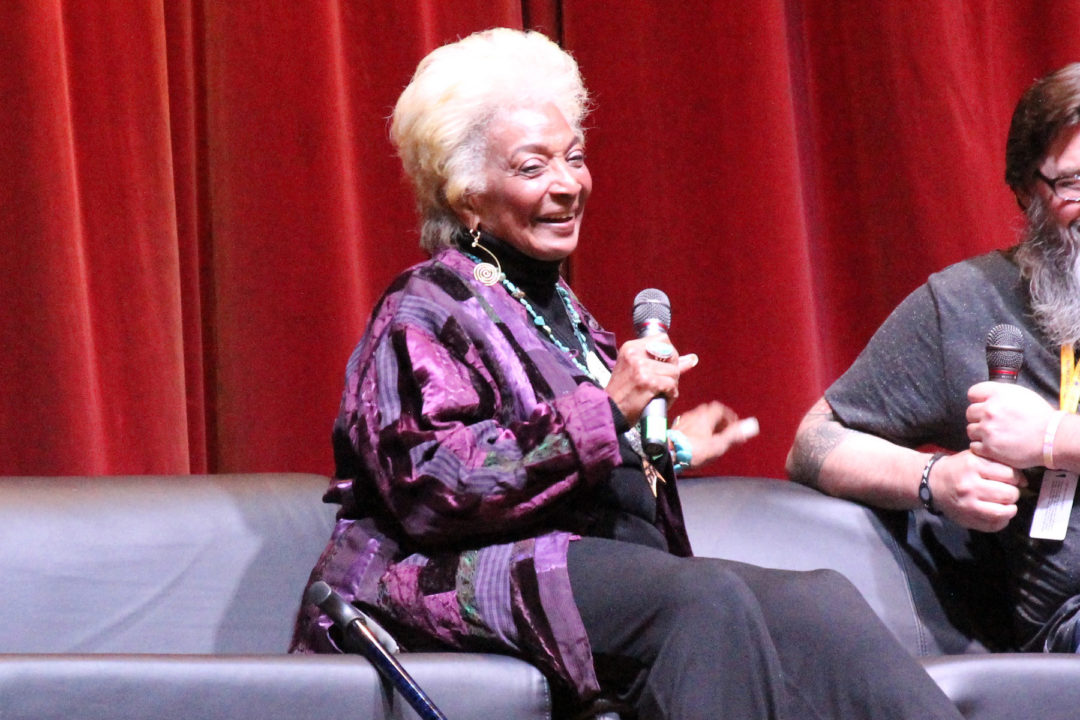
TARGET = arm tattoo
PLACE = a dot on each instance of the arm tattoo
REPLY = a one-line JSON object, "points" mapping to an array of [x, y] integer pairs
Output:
{"points": [[819, 434]]}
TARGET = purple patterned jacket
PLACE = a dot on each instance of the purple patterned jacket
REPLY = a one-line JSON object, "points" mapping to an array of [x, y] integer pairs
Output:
{"points": [[464, 444]]}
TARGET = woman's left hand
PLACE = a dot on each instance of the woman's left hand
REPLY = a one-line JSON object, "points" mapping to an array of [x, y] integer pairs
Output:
{"points": [[711, 428]]}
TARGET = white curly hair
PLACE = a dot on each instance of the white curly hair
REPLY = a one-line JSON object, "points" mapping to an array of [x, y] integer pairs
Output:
{"points": [[439, 124]]}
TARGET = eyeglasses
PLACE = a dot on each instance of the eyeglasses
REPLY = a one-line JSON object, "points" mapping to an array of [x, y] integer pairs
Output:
{"points": [[1066, 187]]}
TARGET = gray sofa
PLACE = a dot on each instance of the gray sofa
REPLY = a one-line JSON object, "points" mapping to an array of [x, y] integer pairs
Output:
{"points": [[173, 597]]}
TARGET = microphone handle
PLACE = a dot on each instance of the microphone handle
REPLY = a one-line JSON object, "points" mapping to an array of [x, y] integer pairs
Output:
{"points": [[654, 427], [653, 420]]}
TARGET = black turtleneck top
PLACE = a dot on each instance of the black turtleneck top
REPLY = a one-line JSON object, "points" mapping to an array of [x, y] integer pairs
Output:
{"points": [[623, 507]]}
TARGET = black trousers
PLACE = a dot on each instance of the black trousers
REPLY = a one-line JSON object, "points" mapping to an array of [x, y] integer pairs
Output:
{"points": [[686, 638]]}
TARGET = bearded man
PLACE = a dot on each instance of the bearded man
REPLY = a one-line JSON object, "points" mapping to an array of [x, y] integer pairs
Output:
{"points": [[921, 382]]}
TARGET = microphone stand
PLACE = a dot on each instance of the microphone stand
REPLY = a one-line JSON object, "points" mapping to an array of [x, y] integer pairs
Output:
{"points": [[358, 638]]}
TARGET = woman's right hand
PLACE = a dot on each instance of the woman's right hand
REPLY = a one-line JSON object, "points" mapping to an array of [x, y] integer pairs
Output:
{"points": [[638, 376]]}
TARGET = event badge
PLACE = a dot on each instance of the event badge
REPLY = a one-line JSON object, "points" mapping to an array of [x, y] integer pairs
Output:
{"points": [[1054, 506]]}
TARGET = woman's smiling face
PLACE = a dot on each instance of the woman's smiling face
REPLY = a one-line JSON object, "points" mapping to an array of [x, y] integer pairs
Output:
{"points": [[535, 183]]}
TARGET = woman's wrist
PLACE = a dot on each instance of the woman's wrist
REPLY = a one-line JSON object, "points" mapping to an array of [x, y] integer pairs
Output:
{"points": [[682, 453]]}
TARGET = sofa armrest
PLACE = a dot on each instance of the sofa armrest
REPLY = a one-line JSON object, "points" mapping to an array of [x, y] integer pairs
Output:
{"points": [[282, 687], [1006, 686]]}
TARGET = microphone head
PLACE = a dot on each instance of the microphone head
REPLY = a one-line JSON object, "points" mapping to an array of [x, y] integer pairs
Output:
{"points": [[317, 593], [652, 304], [1004, 352]]}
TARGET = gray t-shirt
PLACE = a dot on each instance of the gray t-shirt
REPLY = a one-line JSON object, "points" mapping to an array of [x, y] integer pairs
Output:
{"points": [[909, 385]]}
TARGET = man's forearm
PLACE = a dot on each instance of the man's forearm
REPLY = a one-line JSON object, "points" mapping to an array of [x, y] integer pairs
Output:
{"points": [[818, 436], [847, 463]]}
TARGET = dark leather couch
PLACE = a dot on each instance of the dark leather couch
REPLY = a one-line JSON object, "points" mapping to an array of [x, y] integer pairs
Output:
{"points": [[173, 597]]}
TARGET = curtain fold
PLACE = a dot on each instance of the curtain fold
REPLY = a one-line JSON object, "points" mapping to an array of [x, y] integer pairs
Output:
{"points": [[698, 190], [200, 205], [91, 261]]}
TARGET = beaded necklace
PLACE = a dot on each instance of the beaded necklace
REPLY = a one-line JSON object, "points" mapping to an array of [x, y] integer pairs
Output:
{"points": [[593, 367]]}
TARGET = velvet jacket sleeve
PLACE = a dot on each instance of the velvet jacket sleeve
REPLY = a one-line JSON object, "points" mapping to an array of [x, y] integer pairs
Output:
{"points": [[464, 421]]}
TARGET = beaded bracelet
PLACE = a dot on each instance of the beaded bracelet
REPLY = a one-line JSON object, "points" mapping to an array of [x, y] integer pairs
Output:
{"points": [[681, 452]]}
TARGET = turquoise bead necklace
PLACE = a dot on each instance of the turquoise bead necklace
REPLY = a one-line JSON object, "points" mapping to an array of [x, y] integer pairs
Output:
{"points": [[542, 324], [593, 367]]}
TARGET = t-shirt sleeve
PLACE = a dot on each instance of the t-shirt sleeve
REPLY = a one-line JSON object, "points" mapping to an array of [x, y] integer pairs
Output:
{"points": [[896, 388]]}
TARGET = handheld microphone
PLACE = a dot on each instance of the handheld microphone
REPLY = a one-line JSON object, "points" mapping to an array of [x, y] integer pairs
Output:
{"points": [[652, 316], [1004, 353], [360, 635]]}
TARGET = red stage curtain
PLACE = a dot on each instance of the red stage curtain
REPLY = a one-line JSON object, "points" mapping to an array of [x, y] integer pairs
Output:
{"points": [[199, 204], [789, 170]]}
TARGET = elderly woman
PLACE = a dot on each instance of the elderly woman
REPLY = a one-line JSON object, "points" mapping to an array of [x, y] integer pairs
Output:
{"points": [[494, 492]]}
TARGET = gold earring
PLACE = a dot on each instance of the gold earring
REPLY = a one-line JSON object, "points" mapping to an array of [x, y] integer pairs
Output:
{"points": [[484, 272]]}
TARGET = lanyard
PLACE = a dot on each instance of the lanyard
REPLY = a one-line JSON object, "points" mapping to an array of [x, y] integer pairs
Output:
{"points": [[1053, 508], [1069, 395]]}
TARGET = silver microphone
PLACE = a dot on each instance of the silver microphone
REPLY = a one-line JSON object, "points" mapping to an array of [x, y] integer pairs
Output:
{"points": [[652, 316]]}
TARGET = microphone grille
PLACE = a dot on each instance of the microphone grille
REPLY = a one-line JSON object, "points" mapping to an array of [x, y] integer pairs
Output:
{"points": [[652, 303], [1005, 347], [317, 593]]}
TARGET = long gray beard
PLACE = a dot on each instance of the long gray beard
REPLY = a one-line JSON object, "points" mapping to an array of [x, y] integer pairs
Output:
{"points": [[1048, 257]]}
